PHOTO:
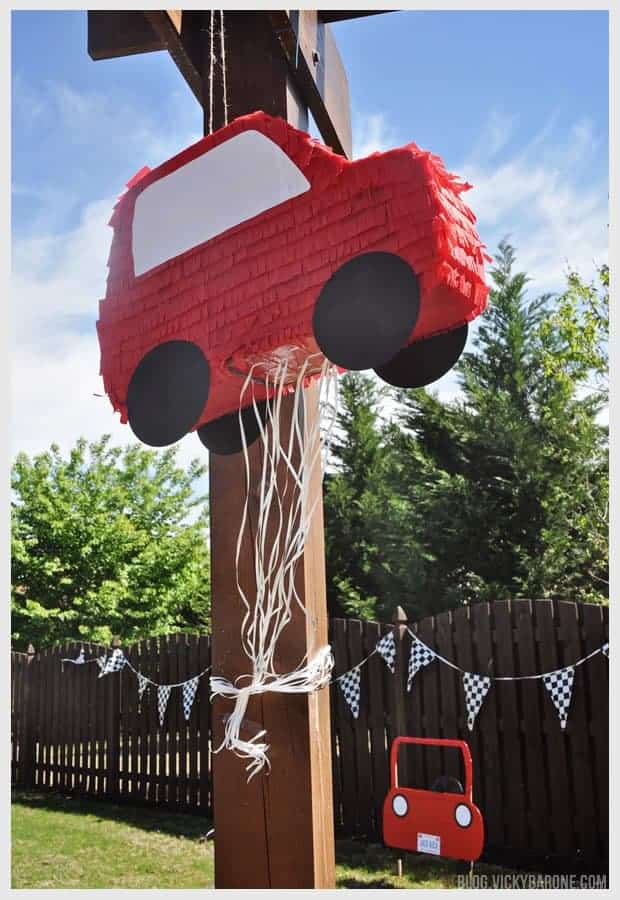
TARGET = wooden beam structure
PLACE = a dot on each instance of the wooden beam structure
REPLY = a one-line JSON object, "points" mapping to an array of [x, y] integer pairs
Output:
{"points": [[277, 831], [303, 39]]}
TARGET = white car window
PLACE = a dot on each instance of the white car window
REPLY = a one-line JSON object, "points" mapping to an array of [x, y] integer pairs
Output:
{"points": [[219, 189]]}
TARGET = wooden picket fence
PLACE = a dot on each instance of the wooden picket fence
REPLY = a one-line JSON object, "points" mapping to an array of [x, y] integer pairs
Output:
{"points": [[543, 792]]}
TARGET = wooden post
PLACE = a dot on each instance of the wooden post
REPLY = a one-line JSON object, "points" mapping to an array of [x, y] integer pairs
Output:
{"points": [[113, 728], [277, 831], [400, 620], [27, 750]]}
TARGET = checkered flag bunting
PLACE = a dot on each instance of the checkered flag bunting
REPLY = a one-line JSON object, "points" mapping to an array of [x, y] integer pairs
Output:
{"points": [[101, 663], [476, 688], [419, 656], [163, 695], [560, 687], [189, 692], [113, 663], [605, 649], [142, 685], [350, 687], [387, 648]]}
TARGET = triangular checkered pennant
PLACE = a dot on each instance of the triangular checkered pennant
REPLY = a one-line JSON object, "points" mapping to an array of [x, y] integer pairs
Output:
{"points": [[560, 687], [163, 695], [101, 663], [114, 663], [350, 686], [142, 685], [605, 649], [419, 656], [189, 692], [387, 648], [476, 688]]}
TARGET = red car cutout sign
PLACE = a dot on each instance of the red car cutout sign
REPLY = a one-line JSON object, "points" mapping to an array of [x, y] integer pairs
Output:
{"points": [[442, 821], [258, 237]]}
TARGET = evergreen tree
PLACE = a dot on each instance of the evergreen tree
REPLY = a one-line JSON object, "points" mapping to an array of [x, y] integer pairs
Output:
{"points": [[350, 497], [518, 464], [499, 493]]}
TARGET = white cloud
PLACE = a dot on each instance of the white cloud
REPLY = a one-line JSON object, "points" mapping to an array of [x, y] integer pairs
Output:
{"points": [[90, 135], [58, 277], [496, 134], [545, 198], [371, 133]]}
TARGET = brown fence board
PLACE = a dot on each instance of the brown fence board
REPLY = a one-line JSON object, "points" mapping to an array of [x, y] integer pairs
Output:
{"points": [[515, 822], [345, 731], [194, 667], [488, 789], [549, 659], [449, 637], [538, 803], [204, 719], [595, 680], [578, 743], [151, 708], [430, 684], [361, 733], [376, 725]]}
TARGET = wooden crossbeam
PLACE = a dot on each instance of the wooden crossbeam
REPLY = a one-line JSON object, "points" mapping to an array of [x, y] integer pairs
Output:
{"points": [[328, 15], [171, 27], [303, 38], [318, 73]]}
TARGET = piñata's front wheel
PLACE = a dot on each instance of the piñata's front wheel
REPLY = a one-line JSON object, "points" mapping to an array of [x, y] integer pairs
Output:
{"points": [[424, 361], [223, 435], [367, 310], [167, 392]]}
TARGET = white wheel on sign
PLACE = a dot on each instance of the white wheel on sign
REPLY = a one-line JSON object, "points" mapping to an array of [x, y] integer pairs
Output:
{"points": [[400, 805], [462, 814]]}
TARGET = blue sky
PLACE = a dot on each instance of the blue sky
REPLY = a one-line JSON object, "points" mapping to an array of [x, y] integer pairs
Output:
{"points": [[516, 102]]}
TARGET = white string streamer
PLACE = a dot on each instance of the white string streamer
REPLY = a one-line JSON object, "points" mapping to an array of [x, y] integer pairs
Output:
{"points": [[284, 516]]}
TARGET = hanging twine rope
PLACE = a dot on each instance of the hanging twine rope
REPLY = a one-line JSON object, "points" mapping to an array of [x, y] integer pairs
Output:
{"points": [[211, 67], [222, 63], [276, 554]]}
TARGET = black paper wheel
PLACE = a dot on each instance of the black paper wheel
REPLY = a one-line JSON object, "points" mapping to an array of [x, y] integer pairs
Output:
{"points": [[424, 361], [223, 435], [367, 310], [167, 392]]}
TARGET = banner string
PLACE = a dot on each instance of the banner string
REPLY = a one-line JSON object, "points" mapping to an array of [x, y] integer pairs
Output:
{"points": [[167, 684], [506, 677], [365, 659]]}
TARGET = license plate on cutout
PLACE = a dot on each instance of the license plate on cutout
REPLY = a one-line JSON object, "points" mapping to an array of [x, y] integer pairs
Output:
{"points": [[429, 843]]}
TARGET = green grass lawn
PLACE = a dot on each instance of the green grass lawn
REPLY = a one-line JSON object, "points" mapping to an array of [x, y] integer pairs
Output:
{"points": [[65, 842]]}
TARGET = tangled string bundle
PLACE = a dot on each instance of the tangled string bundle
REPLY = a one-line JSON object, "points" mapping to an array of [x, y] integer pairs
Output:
{"points": [[285, 505]]}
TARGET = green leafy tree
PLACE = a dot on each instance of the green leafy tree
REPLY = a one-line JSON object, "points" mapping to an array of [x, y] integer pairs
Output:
{"points": [[103, 543]]}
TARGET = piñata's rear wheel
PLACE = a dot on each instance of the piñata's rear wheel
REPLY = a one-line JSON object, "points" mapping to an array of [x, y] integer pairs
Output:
{"points": [[367, 310], [424, 361], [223, 435], [167, 392]]}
